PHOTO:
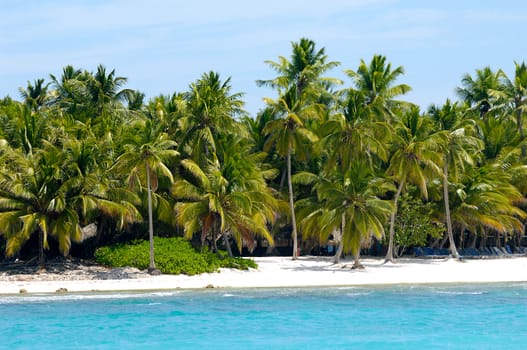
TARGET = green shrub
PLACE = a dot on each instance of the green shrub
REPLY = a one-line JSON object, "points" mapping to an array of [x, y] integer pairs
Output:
{"points": [[172, 256]]}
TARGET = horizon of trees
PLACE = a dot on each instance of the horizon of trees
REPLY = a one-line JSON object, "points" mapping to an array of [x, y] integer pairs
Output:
{"points": [[324, 159]]}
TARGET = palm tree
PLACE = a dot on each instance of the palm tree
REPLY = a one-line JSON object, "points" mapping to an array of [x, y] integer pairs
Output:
{"points": [[377, 82], [227, 196], [303, 70], [105, 88], [460, 147], [210, 112], [349, 201], [477, 91], [487, 201], [35, 96], [353, 133], [513, 96], [417, 155], [147, 151], [300, 87], [288, 134]]}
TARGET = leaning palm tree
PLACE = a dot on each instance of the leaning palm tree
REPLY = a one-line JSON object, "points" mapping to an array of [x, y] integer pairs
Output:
{"points": [[416, 157], [148, 151]]}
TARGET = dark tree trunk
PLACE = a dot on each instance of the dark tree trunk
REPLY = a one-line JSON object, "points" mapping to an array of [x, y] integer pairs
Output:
{"points": [[227, 245], [41, 255]]}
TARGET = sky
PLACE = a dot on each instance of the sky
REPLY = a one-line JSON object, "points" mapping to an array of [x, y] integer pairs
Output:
{"points": [[162, 46]]}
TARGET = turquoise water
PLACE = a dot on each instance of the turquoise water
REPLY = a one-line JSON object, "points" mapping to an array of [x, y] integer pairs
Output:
{"points": [[425, 317]]}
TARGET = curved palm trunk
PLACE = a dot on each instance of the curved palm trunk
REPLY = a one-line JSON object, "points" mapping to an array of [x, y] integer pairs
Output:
{"points": [[389, 253], [453, 248], [152, 265], [292, 205]]}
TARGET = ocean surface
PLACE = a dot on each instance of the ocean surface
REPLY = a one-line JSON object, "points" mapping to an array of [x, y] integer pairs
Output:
{"points": [[479, 316]]}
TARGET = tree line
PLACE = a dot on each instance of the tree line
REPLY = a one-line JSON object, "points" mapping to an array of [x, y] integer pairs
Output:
{"points": [[324, 159]]}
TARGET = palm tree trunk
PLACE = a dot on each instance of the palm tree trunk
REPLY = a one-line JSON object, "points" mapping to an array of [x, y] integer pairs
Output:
{"points": [[152, 265], [227, 245], [453, 248], [338, 254], [340, 248], [389, 253], [292, 205], [520, 128], [41, 256], [356, 260]]}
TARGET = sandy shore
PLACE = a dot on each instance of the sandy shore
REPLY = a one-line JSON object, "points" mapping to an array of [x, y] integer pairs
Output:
{"points": [[284, 272]]}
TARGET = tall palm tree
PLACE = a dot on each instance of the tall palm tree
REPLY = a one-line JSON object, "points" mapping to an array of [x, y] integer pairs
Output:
{"points": [[301, 87], [147, 153], [304, 69], [289, 135], [417, 155], [460, 147]]}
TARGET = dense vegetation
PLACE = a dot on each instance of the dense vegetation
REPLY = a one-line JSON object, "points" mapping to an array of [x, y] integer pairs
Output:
{"points": [[173, 256], [325, 159]]}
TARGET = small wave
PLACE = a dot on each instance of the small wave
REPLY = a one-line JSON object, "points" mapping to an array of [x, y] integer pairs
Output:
{"points": [[444, 292], [40, 298]]}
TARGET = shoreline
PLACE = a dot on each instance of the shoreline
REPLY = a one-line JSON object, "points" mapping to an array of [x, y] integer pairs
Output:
{"points": [[283, 272]]}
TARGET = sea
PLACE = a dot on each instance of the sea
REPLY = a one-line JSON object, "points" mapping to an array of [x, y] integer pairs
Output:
{"points": [[475, 316]]}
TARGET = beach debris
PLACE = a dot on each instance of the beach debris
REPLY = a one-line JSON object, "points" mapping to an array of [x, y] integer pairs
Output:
{"points": [[61, 290]]}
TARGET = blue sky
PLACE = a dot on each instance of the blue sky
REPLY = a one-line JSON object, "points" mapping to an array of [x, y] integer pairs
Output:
{"points": [[162, 46]]}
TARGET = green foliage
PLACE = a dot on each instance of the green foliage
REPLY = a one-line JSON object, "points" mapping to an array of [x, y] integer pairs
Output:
{"points": [[413, 225], [173, 256]]}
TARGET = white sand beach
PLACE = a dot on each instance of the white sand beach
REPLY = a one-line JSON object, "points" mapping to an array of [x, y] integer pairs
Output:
{"points": [[284, 272]]}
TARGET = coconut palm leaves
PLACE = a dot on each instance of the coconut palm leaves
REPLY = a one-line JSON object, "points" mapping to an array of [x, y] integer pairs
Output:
{"points": [[210, 112], [52, 192], [376, 81]]}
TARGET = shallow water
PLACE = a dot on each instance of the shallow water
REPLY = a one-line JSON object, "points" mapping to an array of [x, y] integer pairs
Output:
{"points": [[479, 316]]}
